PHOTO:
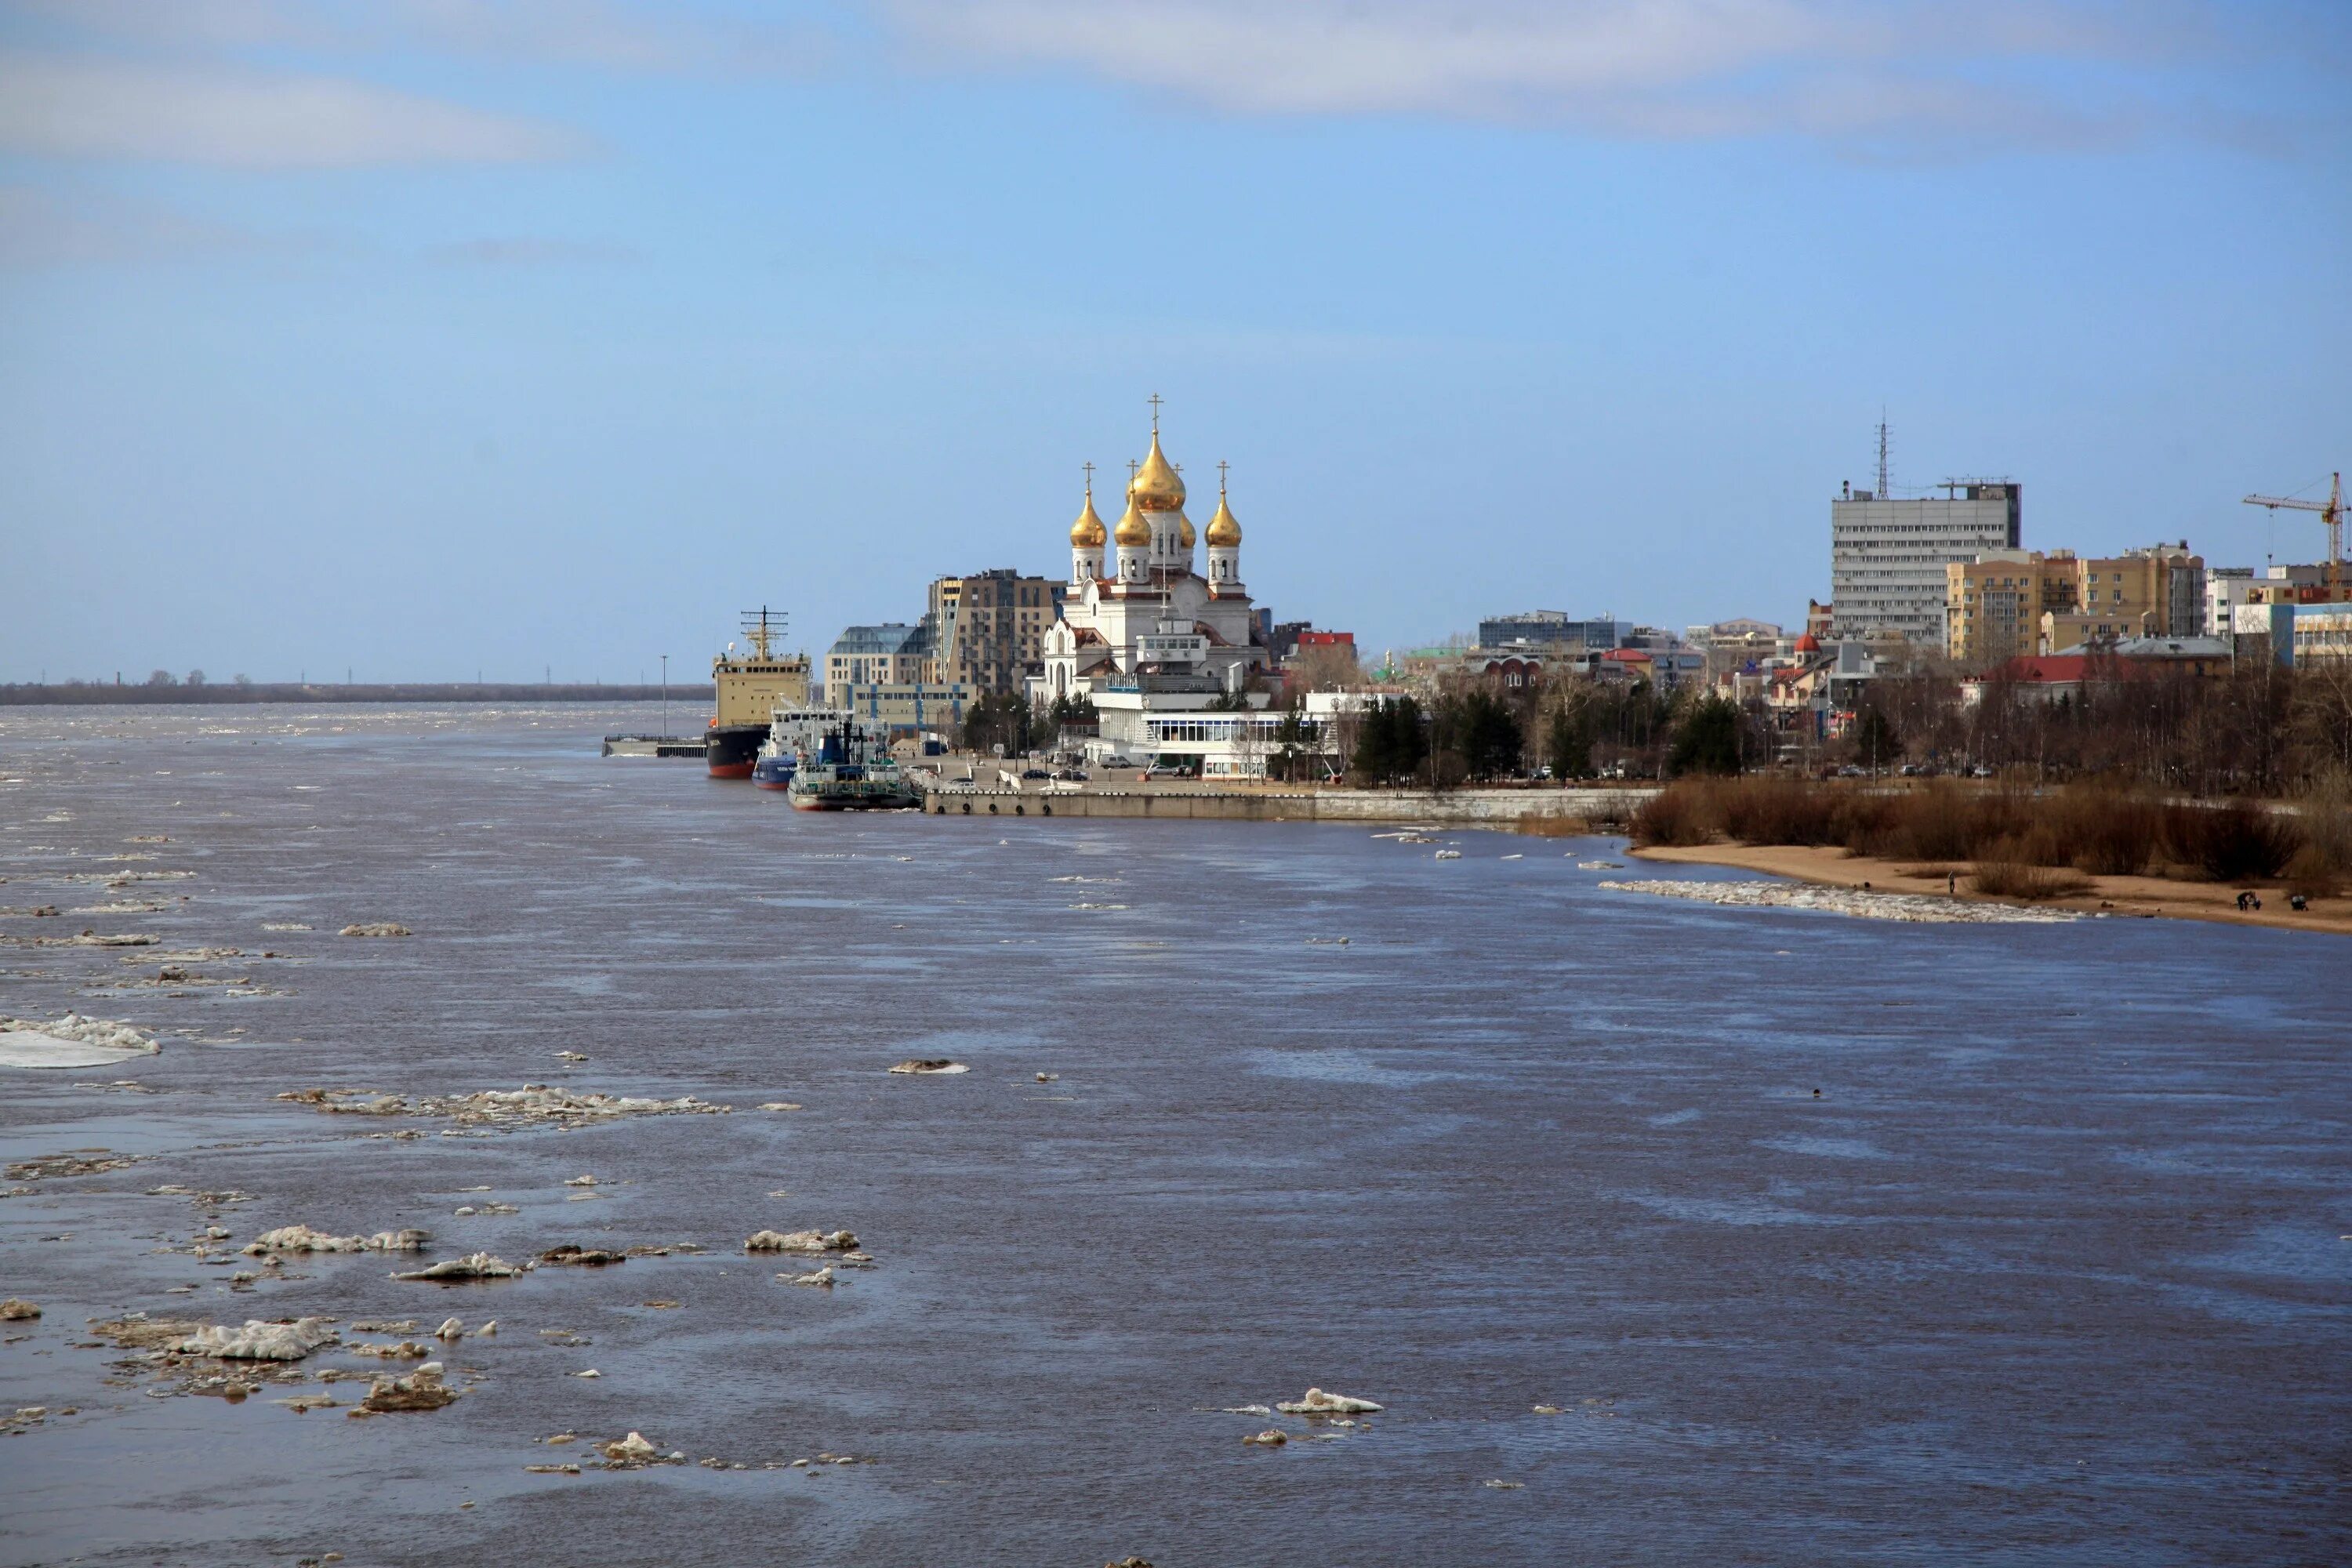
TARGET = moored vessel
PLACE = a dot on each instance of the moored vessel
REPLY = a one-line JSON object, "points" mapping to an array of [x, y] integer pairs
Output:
{"points": [[748, 691], [851, 769], [793, 729]]}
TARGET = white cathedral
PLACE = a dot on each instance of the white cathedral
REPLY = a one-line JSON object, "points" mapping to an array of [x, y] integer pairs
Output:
{"points": [[1149, 639]]}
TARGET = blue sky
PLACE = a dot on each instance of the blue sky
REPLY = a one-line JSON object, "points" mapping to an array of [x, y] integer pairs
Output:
{"points": [[430, 336]]}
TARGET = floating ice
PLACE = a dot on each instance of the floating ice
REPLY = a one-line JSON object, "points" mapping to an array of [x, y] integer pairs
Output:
{"points": [[1315, 1401], [258, 1340], [73, 1041]]}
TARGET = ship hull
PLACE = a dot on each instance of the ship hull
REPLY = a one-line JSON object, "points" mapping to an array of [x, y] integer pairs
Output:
{"points": [[731, 750], [773, 772]]}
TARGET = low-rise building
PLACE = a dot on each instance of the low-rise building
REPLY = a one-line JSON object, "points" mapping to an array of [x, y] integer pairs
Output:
{"points": [[1548, 628], [891, 654], [903, 708], [2008, 602]]}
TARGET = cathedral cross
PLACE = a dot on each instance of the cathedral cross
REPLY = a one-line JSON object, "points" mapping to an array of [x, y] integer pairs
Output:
{"points": [[1154, 401]]}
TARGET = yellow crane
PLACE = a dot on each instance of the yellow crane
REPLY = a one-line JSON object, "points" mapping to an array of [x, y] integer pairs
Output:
{"points": [[2331, 512]]}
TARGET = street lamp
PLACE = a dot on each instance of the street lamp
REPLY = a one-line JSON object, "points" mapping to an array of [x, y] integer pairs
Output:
{"points": [[665, 723]]}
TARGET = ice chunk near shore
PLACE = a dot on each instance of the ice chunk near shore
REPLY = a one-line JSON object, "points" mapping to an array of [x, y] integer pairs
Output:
{"points": [[1315, 1401], [73, 1041], [822, 1277], [800, 1241], [1272, 1437], [258, 1340], [930, 1065], [376, 928], [1915, 907], [16, 1309], [473, 1266], [302, 1238]]}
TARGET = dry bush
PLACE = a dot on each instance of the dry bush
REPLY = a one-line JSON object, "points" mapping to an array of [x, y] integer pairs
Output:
{"points": [[1675, 816], [1776, 811], [2109, 832], [2232, 842], [1946, 822], [1867, 822], [2324, 864], [2018, 879]]}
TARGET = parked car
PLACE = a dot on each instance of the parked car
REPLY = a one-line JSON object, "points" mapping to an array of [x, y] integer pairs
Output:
{"points": [[1034, 773], [1072, 775], [1170, 771]]}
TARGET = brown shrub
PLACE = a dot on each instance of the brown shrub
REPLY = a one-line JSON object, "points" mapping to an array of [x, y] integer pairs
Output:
{"points": [[1946, 822], [1776, 811], [2232, 842], [1675, 816], [2110, 833], [2018, 879]]}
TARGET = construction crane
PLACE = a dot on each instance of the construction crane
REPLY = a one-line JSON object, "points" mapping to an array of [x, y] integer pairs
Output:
{"points": [[2331, 512]]}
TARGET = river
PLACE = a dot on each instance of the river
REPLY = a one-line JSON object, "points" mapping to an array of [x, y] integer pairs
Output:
{"points": [[1662, 1232]]}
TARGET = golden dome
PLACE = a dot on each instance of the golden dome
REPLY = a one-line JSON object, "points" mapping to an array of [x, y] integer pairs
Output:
{"points": [[1157, 486], [1088, 533], [1184, 534], [1132, 529], [1223, 531]]}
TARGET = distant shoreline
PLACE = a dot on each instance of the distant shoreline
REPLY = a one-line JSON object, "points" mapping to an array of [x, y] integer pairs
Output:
{"points": [[34, 695]]}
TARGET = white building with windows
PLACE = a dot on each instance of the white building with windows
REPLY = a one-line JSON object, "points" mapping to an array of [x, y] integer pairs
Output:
{"points": [[1163, 647], [1888, 556]]}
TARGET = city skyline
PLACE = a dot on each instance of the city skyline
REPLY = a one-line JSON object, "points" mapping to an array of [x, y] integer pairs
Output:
{"points": [[425, 338]]}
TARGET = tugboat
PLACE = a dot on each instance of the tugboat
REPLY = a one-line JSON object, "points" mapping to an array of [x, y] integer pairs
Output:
{"points": [[749, 688], [851, 769], [792, 730]]}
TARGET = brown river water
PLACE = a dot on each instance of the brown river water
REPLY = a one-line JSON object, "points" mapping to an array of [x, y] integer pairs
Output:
{"points": [[2054, 1268]]}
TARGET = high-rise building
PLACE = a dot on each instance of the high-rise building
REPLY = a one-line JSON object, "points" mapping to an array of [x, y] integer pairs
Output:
{"points": [[1888, 556], [988, 628]]}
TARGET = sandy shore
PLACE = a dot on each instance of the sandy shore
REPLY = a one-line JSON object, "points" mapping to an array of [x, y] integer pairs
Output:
{"points": [[2153, 896]]}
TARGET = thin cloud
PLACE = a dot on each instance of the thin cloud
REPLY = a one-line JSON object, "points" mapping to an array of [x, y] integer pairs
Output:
{"points": [[54, 106], [530, 250], [1887, 75], [41, 227], [624, 37]]}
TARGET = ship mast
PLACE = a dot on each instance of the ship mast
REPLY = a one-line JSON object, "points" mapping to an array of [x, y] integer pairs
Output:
{"points": [[757, 627]]}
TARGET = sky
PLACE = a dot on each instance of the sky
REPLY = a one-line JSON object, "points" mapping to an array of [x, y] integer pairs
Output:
{"points": [[427, 339]]}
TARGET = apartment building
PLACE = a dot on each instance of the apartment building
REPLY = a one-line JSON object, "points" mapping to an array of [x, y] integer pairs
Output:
{"points": [[2006, 603], [892, 654], [987, 628]]}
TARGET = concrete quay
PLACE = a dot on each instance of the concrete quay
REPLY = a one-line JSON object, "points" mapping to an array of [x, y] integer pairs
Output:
{"points": [[1178, 802]]}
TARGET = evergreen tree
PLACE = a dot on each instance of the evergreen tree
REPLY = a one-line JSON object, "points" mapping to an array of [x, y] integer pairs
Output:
{"points": [[1708, 741]]}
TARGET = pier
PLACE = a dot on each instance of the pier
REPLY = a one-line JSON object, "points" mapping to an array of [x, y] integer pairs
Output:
{"points": [[1463, 807]]}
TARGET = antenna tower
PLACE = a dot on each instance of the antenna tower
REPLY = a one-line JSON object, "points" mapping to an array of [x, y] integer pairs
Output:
{"points": [[1881, 455]]}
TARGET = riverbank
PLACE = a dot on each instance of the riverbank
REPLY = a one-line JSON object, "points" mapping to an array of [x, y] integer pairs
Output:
{"points": [[2138, 896]]}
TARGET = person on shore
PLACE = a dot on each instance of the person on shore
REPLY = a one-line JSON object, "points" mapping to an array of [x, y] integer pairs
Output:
{"points": [[2242, 896], [1952, 884]]}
